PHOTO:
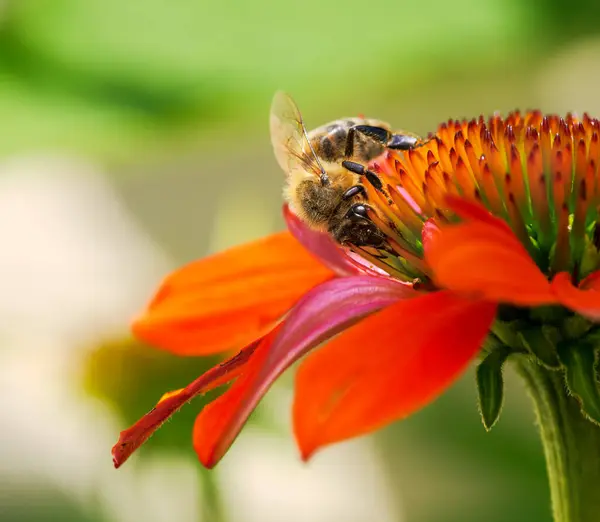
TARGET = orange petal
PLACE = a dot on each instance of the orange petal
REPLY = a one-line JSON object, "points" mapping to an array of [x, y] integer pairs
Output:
{"points": [[386, 367], [485, 259], [227, 300], [591, 282], [584, 300], [170, 394], [213, 421], [132, 438]]}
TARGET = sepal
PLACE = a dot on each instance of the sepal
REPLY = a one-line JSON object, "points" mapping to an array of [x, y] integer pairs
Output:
{"points": [[490, 386], [541, 342], [581, 373]]}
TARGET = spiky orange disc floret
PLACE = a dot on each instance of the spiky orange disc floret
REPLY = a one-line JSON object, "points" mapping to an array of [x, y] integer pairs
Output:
{"points": [[538, 173]]}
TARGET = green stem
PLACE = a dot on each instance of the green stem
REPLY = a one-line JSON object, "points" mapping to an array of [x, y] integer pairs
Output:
{"points": [[571, 445]]}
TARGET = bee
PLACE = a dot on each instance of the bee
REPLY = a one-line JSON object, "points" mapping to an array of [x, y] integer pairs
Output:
{"points": [[325, 169]]}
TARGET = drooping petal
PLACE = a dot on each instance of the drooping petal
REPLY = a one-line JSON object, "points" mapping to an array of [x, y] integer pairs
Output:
{"points": [[472, 211], [486, 260], [320, 314], [228, 300], [386, 367], [322, 245], [133, 437], [584, 300]]}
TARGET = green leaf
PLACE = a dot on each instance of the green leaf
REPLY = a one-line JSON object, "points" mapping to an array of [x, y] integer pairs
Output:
{"points": [[581, 375], [490, 387]]}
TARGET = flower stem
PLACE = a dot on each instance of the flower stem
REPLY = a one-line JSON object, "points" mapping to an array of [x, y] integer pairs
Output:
{"points": [[571, 445]]}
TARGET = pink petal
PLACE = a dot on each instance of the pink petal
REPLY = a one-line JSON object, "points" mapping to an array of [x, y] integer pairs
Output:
{"points": [[326, 249], [429, 233], [322, 313]]}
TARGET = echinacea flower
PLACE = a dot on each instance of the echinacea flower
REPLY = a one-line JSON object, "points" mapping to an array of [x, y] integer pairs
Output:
{"points": [[492, 243]]}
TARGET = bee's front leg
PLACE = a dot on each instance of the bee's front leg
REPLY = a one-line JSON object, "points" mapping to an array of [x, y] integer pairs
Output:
{"points": [[373, 179]]}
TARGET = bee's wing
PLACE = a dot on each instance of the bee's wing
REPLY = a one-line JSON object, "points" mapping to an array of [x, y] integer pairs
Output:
{"points": [[288, 136]]}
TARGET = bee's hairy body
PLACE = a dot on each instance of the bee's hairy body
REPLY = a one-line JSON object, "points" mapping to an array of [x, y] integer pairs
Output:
{"points": [[330, 141], [326, 167], [322, 206]]}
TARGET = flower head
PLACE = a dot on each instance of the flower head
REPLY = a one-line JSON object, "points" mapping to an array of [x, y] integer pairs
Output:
{"points": [[491, 228]]}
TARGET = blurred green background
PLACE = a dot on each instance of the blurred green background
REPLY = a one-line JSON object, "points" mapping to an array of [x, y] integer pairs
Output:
{"points": [[135, 139]]}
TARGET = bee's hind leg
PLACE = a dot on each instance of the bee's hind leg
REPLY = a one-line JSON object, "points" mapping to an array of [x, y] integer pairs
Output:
{"points": [[403, 142], [407, 142], [386, 138]]}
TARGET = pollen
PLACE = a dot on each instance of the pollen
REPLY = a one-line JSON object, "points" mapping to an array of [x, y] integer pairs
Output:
{"points": [[537, 172]]}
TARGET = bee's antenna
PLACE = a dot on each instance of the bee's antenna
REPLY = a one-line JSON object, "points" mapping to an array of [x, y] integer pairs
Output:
{"points": [[324, 177]]}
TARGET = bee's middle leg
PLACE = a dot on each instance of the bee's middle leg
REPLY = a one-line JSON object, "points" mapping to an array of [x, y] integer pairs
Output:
{"points": [[378, 134]]}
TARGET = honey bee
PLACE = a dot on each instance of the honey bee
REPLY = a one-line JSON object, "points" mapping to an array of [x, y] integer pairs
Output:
{"points": [[326, 166]]}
